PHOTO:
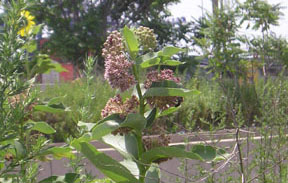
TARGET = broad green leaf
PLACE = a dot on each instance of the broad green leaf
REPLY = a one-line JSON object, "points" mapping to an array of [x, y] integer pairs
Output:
{"points": [[208, 153], [134, 121], [167, 152], [67, 178], [150, 63], [108, 166], [150, 117], [106, 127], [171, 50], [166, 84], [160, 91], [131, 166], [172, 62], [46, 65], [153, 174], [42, 127], [125, 144], [53, 108], [57, 67], [20, 149], [131, 42], [46, 108], [58, 152]]}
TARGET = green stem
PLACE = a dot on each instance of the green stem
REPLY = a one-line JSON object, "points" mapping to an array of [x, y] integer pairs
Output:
{"points": [[141, 99], [142, 168]]}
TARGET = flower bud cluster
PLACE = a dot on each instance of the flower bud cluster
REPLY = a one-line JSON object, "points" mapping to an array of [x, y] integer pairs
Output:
{"points": [[146, 37], [115, 105], [155, 76], [160, 141], [162, 102], [116, 64]]}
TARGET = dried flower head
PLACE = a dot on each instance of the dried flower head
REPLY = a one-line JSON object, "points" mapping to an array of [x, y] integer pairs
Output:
{"points": [[117, 66], [146, 37], [162, 102], [115, 105]]}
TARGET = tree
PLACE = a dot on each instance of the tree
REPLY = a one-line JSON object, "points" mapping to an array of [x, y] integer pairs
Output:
{"points": [[80, 26]]}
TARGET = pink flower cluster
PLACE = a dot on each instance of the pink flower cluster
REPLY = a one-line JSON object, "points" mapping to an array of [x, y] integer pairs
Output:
{"points": [[155, 76], [115, 105], [162, 102], [116, 64]]}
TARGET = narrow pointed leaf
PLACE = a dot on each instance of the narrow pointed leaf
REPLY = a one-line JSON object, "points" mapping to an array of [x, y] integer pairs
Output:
{"points": [[168, 111], [172, 62], [167, 152], [150, 63], [131, 42], [171, 50], [42, 127], [58, 152], [208, 153], [150, 117]]}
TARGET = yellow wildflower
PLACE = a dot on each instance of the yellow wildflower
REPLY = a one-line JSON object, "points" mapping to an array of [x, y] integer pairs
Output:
{"points": [[25, 30]]}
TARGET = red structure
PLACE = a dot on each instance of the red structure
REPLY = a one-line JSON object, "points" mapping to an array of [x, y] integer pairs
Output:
{"points": [[70, 74]]}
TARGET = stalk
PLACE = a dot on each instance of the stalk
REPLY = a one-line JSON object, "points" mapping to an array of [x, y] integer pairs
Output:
{"points": [[142, 169], [141, 99]]}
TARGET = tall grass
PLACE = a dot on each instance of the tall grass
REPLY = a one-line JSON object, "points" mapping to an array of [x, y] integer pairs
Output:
{"points": [[74, 95]]}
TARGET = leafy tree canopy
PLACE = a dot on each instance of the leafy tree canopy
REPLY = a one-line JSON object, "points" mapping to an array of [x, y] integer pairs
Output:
{"points": [[80, 26]]}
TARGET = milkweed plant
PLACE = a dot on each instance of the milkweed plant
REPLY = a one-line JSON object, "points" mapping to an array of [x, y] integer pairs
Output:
{"points": [[131, 63]]}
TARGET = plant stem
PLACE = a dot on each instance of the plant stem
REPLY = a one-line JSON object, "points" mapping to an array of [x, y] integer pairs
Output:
{"points": [[141, 99], [240, 156]]}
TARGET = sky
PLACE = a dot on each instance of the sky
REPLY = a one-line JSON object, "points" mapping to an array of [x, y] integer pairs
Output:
{"points": [[192, 8]]}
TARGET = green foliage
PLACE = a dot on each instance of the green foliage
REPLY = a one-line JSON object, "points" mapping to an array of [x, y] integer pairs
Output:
{"points": [[123, 130], [153, 174], [107, 165], [68, 178], [85, 27], [77, 96], [22, 140]]}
